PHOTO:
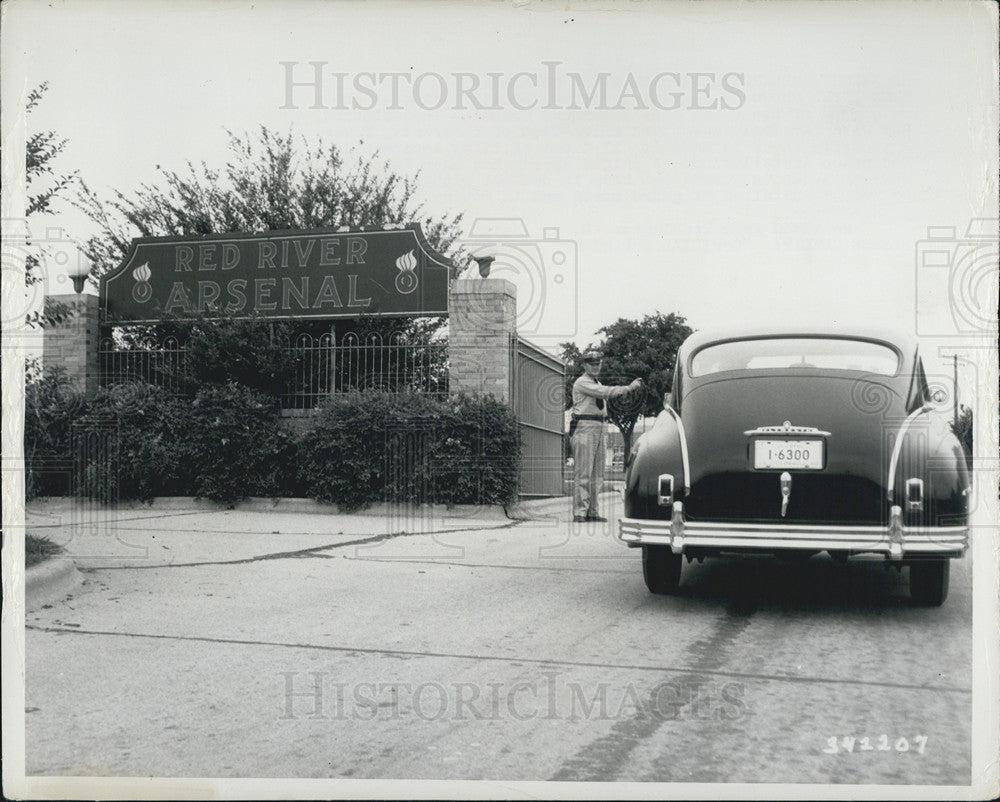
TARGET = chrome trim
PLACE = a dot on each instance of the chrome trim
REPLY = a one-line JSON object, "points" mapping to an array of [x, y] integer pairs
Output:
{"points": [[684, 449], [786, 491], [914, 495], [677, 528], [661, 499], [894, 541], [785, 428], [898, 446], [895, 532]]}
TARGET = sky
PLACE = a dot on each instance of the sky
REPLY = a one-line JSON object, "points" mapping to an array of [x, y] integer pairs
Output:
{"points": [[751, 162]]}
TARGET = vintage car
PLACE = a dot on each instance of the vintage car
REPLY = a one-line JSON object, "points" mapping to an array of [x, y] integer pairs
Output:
{"points": [[797, 443]]}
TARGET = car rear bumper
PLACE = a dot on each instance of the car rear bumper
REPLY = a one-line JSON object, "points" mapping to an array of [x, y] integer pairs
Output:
{"points": [[895, 540]]}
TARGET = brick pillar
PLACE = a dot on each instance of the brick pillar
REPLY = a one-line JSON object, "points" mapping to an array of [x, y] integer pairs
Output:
{"points": [[73, 343], [482, 327]]}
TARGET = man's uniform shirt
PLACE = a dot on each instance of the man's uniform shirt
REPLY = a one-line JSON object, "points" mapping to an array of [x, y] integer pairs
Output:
{"points": [[586, 392]]}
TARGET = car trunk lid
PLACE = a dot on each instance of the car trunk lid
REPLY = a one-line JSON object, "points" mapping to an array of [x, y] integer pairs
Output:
{"points": [[851, 421]]}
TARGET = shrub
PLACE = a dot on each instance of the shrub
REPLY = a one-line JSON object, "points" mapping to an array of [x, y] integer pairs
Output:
{"points": [[341, 456], [408, 447], [52, 404], [237, 443], [132, 444], [137, 441], [38, 550], [477, 454], [140, 441]]}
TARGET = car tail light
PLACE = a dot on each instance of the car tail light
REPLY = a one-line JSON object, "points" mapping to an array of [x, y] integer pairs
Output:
{"points": [[914, 495], [665, 490]]}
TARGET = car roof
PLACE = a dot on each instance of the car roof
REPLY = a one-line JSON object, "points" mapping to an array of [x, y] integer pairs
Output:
{"points": [[901, 340]]}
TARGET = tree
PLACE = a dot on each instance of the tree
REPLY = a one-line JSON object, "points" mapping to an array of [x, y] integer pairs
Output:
{"points": [[271, 182], [45, 185], [573, 357], [253, 352], [646, 349], [962, 427]]}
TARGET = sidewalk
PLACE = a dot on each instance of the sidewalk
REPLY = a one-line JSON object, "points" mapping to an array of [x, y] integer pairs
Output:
{"points": [[176, 531]]}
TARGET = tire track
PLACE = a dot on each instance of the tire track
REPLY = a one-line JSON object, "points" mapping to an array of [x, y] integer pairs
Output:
{"points": [[603, 758]]}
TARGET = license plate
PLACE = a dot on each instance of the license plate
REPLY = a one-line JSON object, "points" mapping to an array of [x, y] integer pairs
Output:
{"points": [[801, 454]]}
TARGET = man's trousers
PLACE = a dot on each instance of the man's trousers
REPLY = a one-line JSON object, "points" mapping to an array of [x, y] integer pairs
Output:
{"points": [[588, 466]]}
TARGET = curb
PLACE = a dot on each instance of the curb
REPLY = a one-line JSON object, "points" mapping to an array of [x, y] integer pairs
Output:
{"points": [[49, 581], [539, 508], [54, 504], [549, 508], [520, 511]]}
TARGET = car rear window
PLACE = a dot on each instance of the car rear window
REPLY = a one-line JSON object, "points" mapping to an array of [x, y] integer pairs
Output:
{"points": [[796, 353]]}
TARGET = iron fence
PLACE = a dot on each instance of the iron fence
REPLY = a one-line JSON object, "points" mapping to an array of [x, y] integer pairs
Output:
{"points": [[319, 366], [160, 365]]}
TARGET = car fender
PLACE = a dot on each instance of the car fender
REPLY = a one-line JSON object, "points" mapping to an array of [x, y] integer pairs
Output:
{"points": [[658, 451], [931, 453]]}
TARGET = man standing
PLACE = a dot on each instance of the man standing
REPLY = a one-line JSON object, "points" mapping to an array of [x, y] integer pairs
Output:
{"points": [[587, 435]]}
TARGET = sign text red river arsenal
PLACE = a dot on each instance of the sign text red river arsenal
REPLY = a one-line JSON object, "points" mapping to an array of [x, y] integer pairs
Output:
{"points": [[319, 273]]}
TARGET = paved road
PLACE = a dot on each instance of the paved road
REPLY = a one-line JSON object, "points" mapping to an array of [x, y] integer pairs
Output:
{"points": [[266, 644]]}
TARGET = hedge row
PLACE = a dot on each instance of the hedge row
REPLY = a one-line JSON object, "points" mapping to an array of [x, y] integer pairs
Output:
{"points": [[136, 441]]}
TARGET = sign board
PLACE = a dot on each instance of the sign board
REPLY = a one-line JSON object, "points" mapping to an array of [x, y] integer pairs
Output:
{"points": [[319, 273]]}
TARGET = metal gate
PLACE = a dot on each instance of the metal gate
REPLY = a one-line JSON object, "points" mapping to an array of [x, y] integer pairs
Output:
{"points": [[537, 393]]}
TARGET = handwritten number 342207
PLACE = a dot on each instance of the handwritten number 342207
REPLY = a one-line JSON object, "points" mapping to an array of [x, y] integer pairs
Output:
{"points": [[882, 744]]}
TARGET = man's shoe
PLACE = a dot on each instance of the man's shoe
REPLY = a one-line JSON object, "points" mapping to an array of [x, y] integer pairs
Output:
{"points": [[596, 518], [579, 519]]}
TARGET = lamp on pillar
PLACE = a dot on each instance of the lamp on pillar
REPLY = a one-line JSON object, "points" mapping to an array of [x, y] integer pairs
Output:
{"points": [[78, 272], [484, 262], [71, 337]]}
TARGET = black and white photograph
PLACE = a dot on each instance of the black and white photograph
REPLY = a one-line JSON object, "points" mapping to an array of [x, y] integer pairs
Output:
{"points": [[500, 399]]}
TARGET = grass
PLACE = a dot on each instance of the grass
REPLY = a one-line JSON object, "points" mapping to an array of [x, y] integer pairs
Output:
{"points": [[38, 549]]}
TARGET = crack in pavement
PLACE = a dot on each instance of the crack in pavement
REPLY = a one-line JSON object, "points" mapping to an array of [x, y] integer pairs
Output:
{"points": [[541, 661], [312, 551], [560, 569]]}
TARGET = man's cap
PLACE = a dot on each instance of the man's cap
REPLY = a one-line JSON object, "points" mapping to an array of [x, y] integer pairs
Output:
{"points": [[592, 355]]}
